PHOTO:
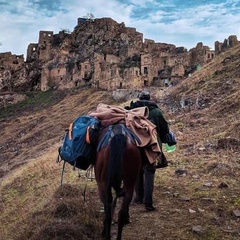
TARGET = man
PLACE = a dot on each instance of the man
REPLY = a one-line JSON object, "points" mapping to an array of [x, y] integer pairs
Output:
{"points": [[145, 184]]}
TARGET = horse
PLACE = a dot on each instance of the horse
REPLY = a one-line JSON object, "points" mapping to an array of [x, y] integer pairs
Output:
{"points": [[117, 166]]}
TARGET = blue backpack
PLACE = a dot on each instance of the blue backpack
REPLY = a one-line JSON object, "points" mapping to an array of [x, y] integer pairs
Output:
{"points": [[78, 148]]}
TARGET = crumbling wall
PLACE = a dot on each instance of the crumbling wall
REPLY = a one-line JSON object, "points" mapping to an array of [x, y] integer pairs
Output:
{"points": [[32, 52], [200, 55], [11, 61], [229, 42]]}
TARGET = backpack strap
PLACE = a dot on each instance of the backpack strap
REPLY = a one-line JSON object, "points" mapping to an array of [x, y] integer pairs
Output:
{"points": [[59, 159], [70, 131], [87, 137], [106, 138]]}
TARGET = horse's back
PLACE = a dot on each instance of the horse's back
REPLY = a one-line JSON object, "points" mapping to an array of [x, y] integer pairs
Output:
{"points": [[106, 136], [131, 153]]}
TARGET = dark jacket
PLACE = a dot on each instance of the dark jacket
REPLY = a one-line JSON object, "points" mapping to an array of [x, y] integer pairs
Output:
{"points": [[155, 116]]}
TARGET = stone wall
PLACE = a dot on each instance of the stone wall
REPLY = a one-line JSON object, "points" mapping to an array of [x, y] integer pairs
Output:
{"points": [[229, 42], [9, 61], [200, 55], [12, 71], [32, 52]]}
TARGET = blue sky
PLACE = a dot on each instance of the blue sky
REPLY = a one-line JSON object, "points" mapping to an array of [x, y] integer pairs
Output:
{"points": [[179, 22]]}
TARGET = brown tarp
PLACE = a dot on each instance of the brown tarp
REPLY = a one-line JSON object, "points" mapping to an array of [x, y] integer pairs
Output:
{"points": [[136, 120]]}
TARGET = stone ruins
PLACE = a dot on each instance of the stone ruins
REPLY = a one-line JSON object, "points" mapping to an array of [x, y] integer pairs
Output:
{"points": [[103, 54]]}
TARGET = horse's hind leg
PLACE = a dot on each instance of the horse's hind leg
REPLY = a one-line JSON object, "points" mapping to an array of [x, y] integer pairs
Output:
{"points": [[106, 198], [106, 233], [114, 204], [123, 215]]}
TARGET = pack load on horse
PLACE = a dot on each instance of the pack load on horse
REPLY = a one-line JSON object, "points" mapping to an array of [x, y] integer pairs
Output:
{"points": [[135, 120]]}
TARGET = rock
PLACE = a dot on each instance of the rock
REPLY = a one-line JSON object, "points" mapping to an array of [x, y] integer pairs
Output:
{"points": [[191, 210], [185, 198], [175, 194], [207, 184], [236, 213], [195, 176], [222, 185], [182, 172], [198, 229]]}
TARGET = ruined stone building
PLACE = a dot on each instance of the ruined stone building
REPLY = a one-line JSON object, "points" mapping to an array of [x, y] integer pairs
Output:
{"points": [[104, 54], [11, 67], [231, 41]]}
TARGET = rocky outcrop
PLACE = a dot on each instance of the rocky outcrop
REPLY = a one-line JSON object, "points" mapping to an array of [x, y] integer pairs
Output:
{"points": [[100, 53]]}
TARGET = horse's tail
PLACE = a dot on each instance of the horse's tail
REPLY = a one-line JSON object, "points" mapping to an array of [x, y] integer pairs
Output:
{"points": [[115, 169]]}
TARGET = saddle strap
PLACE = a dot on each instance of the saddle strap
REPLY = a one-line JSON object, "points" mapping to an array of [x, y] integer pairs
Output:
{"points": [[110, 134]]}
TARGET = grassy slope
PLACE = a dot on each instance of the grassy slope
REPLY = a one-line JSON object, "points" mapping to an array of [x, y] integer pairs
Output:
{"points": [[33, 206], [33, 136], [217, 87]]}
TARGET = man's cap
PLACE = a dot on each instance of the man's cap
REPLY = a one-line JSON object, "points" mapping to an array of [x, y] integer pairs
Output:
{"points": [[144, 95]]}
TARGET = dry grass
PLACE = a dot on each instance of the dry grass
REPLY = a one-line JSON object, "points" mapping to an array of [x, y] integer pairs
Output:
{"points": [[31, 175], [32, 200], [199, 188]]}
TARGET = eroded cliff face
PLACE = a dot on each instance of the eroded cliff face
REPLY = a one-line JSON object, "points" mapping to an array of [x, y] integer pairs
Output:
{"points": [[104, 54]]}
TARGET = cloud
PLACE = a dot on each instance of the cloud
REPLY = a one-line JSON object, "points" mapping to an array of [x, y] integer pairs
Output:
{"points": [[183, 23]]}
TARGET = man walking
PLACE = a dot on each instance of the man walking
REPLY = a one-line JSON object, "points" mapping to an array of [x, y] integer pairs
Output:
{"points": [[145, 184]]}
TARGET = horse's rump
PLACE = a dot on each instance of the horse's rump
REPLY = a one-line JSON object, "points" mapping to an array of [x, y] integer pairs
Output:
{"points": [[117, 157]]}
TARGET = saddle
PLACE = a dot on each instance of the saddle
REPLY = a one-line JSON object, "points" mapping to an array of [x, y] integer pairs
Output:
{"points": [[115, 129]]}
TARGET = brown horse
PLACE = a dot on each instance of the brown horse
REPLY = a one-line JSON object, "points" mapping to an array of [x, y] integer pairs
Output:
{"points": [[117, 166]]}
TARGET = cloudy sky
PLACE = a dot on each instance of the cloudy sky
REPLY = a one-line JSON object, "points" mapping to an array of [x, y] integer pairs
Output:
{"points": [[179, 22]]}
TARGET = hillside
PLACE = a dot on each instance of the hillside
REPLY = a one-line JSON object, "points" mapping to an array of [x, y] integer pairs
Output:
{"points": [[197, 196], [41, 122], [213, 93]]}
